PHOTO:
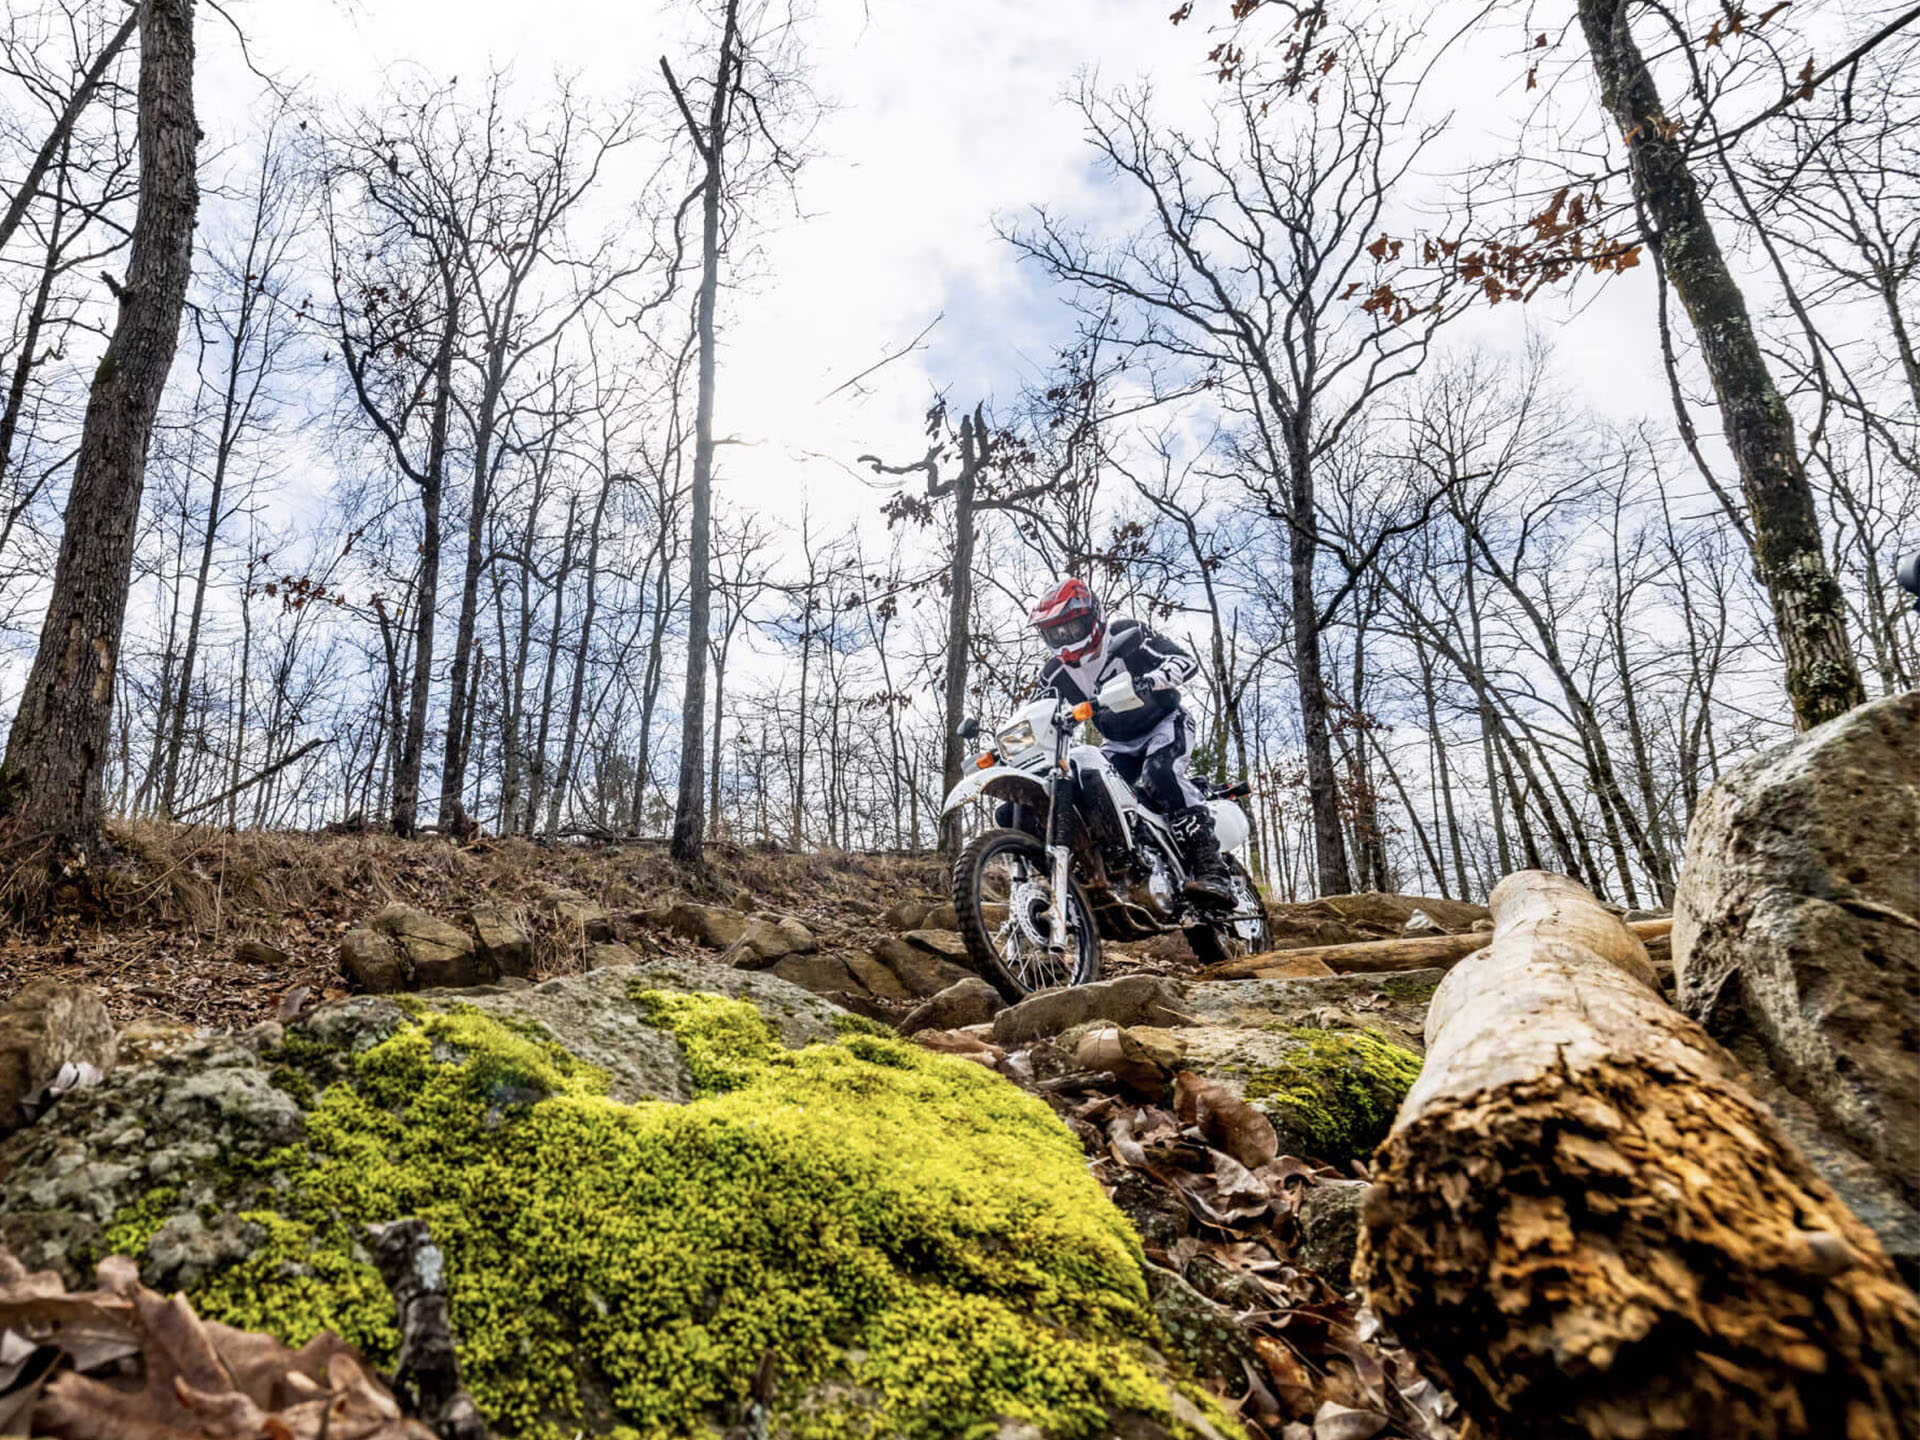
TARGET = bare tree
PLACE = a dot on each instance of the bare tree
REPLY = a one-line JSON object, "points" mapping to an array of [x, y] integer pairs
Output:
{"points": [[57, 748]]}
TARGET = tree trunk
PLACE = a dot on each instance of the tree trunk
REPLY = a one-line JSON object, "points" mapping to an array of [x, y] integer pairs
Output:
{"points": [[1323, 785], [959, 644], [406, 786], [689, 810], [1822, 677], [57, 749], [1583, 1226], [537, 761]]}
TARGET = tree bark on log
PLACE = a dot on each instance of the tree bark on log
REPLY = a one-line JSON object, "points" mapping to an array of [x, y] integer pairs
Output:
{"points": [[1585, 1226], [1367, 957]]}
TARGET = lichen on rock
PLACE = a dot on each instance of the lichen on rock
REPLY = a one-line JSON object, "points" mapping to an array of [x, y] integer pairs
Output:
{"points": [[866, 1237]]}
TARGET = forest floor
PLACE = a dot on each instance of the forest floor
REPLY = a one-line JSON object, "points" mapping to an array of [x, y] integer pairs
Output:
{"points": [[214, 929]]}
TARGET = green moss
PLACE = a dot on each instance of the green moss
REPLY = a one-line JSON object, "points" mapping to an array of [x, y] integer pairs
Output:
{"points": [[1408, 991], [861, 1025], [912, 1244], [134, 1227], [1340, 1088]]}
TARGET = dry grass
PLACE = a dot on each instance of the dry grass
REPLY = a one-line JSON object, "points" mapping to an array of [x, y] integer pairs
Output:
{"points": [[160, 935]]}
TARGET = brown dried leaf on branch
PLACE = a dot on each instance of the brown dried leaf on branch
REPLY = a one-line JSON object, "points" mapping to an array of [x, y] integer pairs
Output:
{"points": [[123, 1363]]}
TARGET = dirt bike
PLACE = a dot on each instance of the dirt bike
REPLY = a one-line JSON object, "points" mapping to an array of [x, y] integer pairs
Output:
{"points": [[1075, 857]]}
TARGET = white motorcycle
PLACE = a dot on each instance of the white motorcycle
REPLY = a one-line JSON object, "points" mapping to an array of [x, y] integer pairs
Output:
{"points": [[1075, 857]]}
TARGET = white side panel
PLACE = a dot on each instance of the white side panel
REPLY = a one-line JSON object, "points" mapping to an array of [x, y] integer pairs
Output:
{"points": [[1229, 824]]}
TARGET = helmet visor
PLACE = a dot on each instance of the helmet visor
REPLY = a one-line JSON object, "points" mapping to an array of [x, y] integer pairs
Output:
{"points": [[1066, 633]]}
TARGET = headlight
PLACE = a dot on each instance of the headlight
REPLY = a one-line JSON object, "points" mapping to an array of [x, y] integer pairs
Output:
{"points": [[1019, 738]]}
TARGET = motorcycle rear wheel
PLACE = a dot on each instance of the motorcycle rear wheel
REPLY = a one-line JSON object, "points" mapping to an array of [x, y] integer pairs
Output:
{"points": [[1220, 941], [1001, 896]]}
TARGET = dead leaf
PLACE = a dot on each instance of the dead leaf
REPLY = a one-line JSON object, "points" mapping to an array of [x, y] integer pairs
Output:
{"points": [[1225, 1120]]}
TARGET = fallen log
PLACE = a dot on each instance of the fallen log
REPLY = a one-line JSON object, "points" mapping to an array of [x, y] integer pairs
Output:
{"points": [[1382, 956], [1584, 1226]]}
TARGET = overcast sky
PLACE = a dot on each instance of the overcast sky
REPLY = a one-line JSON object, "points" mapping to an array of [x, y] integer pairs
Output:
{"points": [[943, 117]]}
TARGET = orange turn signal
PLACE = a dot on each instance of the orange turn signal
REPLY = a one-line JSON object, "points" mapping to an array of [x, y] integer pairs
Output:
{"points": [[1083, 711], [984, 762]]}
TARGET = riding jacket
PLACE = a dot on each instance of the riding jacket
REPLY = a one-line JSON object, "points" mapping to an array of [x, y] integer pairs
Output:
{"points": [[1140, 652]]}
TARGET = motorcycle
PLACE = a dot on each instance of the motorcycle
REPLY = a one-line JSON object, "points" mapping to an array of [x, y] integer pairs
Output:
{"points": [[1075, 857]]}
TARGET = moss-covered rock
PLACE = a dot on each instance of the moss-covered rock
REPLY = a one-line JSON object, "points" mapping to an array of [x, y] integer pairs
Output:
{"points": [[1331, 1092], [1339, 1088], [867, 1238]]}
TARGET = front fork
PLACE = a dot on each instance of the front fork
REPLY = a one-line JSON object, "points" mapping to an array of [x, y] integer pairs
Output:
{"points": [[1060, 852]]}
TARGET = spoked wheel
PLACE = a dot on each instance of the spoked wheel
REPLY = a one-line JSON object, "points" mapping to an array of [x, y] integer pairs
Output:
{"points": [[1004, 900], [1232, 937]]}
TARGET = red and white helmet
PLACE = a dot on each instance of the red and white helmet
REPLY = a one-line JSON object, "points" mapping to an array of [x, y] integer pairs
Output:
{"points": [[1069, 620]]}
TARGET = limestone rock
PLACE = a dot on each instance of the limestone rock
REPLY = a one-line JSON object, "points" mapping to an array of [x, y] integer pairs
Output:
{"points": [[818, 973], [768, 937], [576, 912], [601, 956], [1797, 922], [971, 1001], [437, 953], [908, 914], [53, 1037], [1129, 1000], [944, 943], [373, 962], [711, 925], [502, 947], [874, 978], [1329, 1218], [921, 971]]}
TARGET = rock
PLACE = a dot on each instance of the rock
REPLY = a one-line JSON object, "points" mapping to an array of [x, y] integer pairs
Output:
{"points": [[502, 947], [1204, 1334], [1392, 1006], [259, 952], [874, 978], [1330, 1089], [601, 956], [710, 925], [373, 962], [1129, 1000], [818, 973], [944, 943], [767, 938], [576, 912], [582, 1142], [1797, 922], [971, 1001], [910, 914], [943, 917], [1141, 1056], [437, 954], [1348, 919], [1329, 1218], [920, 972], [54, 1037]]}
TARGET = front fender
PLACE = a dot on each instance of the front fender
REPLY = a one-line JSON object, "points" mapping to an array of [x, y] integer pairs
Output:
{"points": [[1002, 782]]}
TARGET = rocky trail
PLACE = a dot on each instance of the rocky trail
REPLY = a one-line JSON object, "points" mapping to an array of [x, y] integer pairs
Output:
{"points": [[759, 1155]]}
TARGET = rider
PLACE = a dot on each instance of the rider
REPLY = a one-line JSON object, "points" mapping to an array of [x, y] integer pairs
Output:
{"points": [[1149, 744]]}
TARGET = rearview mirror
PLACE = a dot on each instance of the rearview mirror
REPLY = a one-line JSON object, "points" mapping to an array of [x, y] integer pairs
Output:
{"points": [[967, 728]]}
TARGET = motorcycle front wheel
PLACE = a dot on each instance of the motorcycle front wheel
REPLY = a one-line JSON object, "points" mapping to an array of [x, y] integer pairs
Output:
{"points": [[1003, 897]]}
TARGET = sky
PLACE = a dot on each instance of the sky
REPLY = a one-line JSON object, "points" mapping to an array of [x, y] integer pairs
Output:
{"points": [[940, 120]]}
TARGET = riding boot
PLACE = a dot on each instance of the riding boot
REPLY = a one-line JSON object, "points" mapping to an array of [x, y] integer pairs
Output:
{"points": [[1211, 882]]}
